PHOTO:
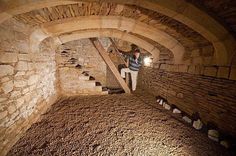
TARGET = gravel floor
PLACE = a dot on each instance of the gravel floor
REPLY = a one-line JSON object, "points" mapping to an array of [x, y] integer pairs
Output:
{"points": [[112, 125]]}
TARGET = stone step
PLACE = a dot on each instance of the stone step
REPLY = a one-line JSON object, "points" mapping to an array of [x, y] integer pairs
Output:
{"points": [[104, 89], [98, 88], [81, 84], [95, 93], [95, 89], [88, 84], [104, 92], [91, 78], [115, 91], [98, 84], [83, 77]]}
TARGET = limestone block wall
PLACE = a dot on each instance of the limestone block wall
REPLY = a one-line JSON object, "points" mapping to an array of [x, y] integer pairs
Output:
{"points": [[208, 90], [28, 81], [75, 82], [74, 58]]}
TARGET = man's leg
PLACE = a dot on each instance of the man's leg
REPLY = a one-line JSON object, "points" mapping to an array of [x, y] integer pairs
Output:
{"points": [[123, 71], [134, 78]]}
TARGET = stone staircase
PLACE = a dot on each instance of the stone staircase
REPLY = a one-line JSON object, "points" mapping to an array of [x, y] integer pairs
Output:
{"points": [[77, 82], [89, 86], [103, 53]]}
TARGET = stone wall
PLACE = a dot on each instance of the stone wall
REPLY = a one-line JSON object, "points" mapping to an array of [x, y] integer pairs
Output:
{"points": [[210, 91], [76, 57], [81, 56], [28, 82]]}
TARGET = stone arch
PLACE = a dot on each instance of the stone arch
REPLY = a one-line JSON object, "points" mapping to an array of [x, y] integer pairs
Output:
{"points": [[109, 33], [97, 22], [198, 20]]}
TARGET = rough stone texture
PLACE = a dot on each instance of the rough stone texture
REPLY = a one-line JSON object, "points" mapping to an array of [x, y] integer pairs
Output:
{"points": [[116, 125], [213, 135], [233, 73], [189, 38], [82, 54], [213, 98], [197, 124], [223, 72], [28, 79], [28, 82], [7, 87], [6, 70], [225, 143], [8, 58], [210, 71], [176, 111], [166, 56], [76, 57], [183, 68], [73, 82], [224, 10], [234, 60], [187, 119]]}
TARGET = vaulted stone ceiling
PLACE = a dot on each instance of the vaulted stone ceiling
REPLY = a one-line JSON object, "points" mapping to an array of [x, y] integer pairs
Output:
{"points": [[166, 56], [182, 26], [223, 10], [190, 39]]}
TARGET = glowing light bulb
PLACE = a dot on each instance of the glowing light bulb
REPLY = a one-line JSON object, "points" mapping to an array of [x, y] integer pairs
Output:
{"points": [[147, 61]]}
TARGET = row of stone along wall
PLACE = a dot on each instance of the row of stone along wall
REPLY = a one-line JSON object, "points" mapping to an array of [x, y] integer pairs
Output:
{"points": [[209, 91]]}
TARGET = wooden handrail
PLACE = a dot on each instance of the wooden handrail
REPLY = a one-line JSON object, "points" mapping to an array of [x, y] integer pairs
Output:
{"points": [[117, 51]]}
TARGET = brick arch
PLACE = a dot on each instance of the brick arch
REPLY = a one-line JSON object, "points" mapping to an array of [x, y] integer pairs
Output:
{"points": [[104, 22], [198, 20]]}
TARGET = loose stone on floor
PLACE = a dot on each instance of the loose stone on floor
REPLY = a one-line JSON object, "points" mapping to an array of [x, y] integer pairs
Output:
{"points": [[112, 125]]}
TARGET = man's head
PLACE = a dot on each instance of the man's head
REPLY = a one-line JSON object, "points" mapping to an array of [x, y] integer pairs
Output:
{"points": [[136, 53]]}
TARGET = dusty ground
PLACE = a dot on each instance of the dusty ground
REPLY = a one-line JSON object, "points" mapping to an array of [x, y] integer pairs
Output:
{"points": [[112, 125]]}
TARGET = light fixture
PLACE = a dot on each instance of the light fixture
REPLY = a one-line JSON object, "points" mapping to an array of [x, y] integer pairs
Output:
{"points": [[147, 61]]}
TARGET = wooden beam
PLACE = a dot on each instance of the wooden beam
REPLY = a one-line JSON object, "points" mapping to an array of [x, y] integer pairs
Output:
{"points": [[127, 79], [117, 51], [109, 63]]}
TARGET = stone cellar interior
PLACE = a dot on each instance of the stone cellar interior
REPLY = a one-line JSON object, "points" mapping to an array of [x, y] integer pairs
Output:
{"points": [[62, 91]]}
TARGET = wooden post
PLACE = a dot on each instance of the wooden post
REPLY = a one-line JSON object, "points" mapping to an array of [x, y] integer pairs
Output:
{"points": [[109, 63], [127, 79]]}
